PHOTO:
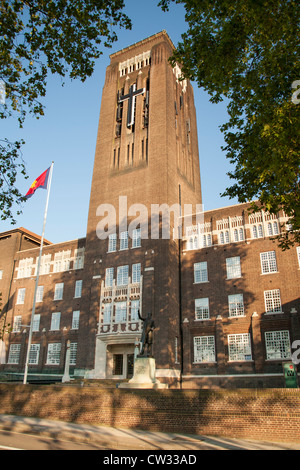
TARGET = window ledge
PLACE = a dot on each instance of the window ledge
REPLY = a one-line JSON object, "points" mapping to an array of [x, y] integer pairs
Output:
{"points": [[240, 361], [266, 274], [230, 317], [278, 359], [273, 313], [204, 363]]}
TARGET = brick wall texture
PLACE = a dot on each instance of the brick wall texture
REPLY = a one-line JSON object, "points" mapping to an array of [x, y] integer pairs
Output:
{"points": [[272, 415]]}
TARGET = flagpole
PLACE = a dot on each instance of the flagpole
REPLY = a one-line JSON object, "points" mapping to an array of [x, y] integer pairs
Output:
{"points": [[37, 277]]}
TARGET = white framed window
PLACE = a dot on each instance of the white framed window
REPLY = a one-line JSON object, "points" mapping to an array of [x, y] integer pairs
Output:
{"points": [[272, 229], [204, 349], [268, 262], [112, 242], [34, 354], [176, 350], [40, 294], [45, 264], [206, 239], [73, 354], [109, 277], [21, 296], [202, 309], [79, 258], [17, 324], [107, 314], [200, 272], [233, 267], [136, 238], [121, 312], [25, 267], [57, 267], [199, 236], [257, 231], [122, 275], [59, 291], [135, 306], [55, 321], [75, 319], [278, 345], [298, 255], [124, 241], [78, 289], [273, 301], [236, 305], [36, 322], [14, 354], [53, 354], [224, 237], [239, 347], [1, 274], [238, 235], [193, 242], [62, 261], [136, 273]]}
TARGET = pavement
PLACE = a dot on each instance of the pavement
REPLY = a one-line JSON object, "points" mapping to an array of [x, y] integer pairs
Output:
{"points": [[130, 439]]}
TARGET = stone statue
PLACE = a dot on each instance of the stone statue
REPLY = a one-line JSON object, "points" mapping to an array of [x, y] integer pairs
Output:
{"points": [[147, 335]]}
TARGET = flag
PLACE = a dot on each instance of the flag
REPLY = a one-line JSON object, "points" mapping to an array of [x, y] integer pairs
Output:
{"points": [[40, 182]]}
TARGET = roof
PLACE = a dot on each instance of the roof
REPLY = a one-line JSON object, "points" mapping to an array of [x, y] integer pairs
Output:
{"points": [[33, 236]]}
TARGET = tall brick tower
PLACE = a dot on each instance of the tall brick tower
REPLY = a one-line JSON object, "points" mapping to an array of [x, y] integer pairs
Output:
{"points": [[146, 157]]}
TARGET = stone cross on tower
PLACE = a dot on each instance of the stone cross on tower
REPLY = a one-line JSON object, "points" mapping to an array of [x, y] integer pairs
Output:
{"points": [[133, 93]]}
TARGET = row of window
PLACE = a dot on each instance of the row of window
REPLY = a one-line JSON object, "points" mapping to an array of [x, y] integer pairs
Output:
{"points": [[53, 354], [54, 325], [62, 262], [123, 275], [233, 267], [58, 292], [277, 345], [122, 312], [124, 240], [202, 236], [236, 306]]}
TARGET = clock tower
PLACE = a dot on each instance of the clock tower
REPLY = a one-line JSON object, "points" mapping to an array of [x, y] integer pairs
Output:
{"points": [[146, 170]]}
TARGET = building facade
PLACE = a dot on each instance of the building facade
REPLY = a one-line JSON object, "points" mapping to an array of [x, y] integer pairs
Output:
{"points": [[224, 297]]}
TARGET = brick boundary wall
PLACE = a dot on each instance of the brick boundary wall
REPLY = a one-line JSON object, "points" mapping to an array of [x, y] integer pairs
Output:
{"points": [[271, 415]]}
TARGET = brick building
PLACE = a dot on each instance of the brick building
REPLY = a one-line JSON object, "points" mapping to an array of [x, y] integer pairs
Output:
{"points": [[224, 298]]}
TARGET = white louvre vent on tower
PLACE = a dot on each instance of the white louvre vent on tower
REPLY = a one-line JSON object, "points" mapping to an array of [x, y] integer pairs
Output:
{"points": [[135, 63]]}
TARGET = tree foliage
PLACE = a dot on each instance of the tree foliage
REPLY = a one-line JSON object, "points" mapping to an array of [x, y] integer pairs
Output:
{"points": [[39, 37], [248, 53]]}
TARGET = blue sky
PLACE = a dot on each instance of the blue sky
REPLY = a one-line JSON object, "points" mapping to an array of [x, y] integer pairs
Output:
{"points": [[67, 135]]}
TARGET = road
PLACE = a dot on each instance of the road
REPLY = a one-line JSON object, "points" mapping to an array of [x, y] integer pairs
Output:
{"points": [[15, 441], [24, 433]]}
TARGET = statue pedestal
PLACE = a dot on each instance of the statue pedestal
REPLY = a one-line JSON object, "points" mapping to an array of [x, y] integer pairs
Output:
{"points": [[144, 375]]}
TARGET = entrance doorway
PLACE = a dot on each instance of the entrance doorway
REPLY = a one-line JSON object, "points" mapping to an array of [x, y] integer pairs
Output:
{"points": [[118, 364]]}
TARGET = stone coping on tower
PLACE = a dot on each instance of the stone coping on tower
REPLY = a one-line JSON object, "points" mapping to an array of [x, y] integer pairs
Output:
{"points": [[144, 41]]}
